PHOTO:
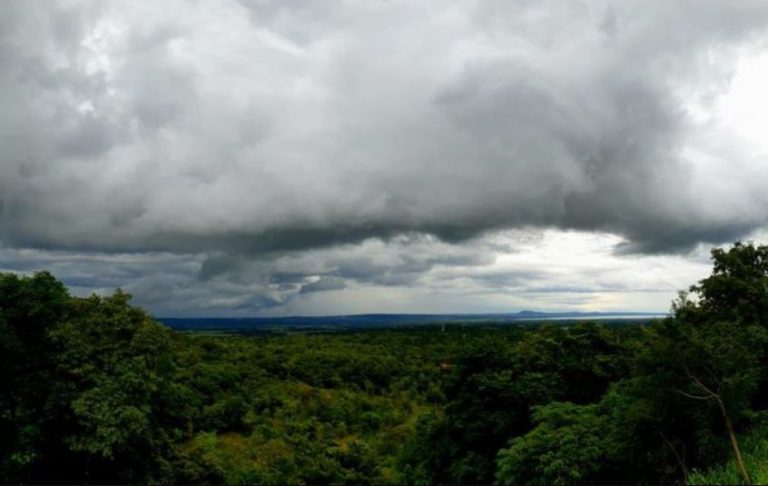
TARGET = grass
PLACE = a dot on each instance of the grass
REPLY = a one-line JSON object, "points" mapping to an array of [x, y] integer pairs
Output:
{"points": [[754, 446]]}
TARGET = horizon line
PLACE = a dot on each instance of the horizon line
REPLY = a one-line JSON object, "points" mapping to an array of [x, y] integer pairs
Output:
{"points": [[426, 314]]}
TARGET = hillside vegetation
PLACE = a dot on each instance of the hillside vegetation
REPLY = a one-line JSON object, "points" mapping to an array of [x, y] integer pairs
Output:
{"points": [[93, 390]]}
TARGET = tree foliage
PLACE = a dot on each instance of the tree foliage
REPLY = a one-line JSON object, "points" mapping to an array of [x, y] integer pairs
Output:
{"points": [[94, 390], [695, 383]]}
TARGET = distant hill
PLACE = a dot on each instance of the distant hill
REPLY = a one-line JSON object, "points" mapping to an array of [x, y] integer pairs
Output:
{"points": [[267, 324]]}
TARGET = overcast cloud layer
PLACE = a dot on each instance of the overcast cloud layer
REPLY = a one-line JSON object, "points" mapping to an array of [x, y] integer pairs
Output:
{"points": [[237, 157]]}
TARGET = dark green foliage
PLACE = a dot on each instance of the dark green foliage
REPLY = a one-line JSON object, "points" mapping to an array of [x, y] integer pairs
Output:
{"points": [[114, 363], [695, 383], [571, 444], [755, 448], [29, 308], [93, 390], [737, 290], [495, 382]]}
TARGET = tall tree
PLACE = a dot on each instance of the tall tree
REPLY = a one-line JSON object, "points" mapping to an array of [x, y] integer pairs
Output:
{"points": [[30, 306], [116, 363]]}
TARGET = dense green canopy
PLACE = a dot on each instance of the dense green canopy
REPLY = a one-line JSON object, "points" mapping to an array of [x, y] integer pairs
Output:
{"points": [[93, 390]]}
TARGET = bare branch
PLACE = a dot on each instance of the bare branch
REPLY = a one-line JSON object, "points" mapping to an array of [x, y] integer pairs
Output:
{"points": [[672, 448], [696, 397], [698, 383]]}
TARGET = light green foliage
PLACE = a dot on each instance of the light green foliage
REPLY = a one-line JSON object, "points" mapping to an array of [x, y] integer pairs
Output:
{"points": [[569, 444], [755, 449], [309, 409]]}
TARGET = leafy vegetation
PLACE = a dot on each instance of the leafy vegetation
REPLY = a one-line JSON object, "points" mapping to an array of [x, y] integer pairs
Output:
{"points": [[95, 391], [755, 450]]}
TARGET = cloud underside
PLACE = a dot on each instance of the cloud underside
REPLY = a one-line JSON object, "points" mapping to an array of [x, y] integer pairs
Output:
{"points": [[239, 132], [551, 270]]}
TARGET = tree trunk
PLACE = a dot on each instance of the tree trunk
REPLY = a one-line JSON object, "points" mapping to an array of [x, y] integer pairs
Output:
{"points": [[734, 442]]}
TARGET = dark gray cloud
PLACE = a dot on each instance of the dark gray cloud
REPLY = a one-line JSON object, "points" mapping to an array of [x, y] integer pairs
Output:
{"points": [[399, 262], [248, 135], [323, 125]]}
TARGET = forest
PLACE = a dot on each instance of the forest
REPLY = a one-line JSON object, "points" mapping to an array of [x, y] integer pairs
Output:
{"points": [[94, 390]]}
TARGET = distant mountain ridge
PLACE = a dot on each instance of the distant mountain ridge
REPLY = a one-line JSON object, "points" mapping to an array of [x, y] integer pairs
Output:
{"points": [[385, 320]]}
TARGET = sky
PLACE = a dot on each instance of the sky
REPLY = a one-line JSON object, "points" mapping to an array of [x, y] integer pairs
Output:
{"points": [[255, 157]]}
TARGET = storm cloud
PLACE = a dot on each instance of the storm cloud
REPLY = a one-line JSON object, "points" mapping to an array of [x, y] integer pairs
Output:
{"points": [[367, 142]]}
